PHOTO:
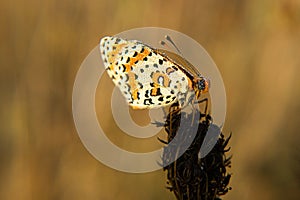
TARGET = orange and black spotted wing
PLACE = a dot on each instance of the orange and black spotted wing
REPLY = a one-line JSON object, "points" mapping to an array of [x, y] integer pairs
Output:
{"points": [[146, 78]]}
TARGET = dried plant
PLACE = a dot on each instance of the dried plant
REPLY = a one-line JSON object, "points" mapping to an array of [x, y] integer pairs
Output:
{"points": [[189, 177]]}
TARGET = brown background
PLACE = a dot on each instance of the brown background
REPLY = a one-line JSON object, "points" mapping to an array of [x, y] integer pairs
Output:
{"points": [[254, 43]]}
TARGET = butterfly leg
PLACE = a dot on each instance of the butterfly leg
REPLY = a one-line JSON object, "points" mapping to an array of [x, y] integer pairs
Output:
{"points": [[205, 114], [175, 107], [193, 102]]}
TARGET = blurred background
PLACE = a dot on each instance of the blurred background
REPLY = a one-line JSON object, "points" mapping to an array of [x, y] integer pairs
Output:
{"points": [[255, 44]]}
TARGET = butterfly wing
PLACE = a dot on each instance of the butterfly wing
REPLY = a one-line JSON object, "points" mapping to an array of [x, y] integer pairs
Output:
{"points": [[146, 78]]}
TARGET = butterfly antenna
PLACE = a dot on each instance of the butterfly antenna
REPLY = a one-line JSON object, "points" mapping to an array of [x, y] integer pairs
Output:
{"points": [[163, 43], [169, 39]]}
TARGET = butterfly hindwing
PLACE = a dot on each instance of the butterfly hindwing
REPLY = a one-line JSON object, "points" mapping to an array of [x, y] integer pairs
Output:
{"points": [[146, 78]]}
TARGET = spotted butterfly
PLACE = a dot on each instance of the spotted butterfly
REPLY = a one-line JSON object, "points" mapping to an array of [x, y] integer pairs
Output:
{"points": [[148, 77]]}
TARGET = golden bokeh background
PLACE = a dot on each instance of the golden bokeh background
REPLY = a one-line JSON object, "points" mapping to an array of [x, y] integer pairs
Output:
{"points": [[254, 43]]}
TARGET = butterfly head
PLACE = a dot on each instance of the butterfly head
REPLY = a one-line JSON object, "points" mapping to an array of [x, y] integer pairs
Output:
{"points": [[201, 85]]}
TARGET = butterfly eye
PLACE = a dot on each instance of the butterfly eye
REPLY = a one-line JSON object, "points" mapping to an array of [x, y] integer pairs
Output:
{"points": [[203, 85]]}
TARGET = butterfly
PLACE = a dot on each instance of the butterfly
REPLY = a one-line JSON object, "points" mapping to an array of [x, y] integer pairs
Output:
{"points": [[148, 77]]}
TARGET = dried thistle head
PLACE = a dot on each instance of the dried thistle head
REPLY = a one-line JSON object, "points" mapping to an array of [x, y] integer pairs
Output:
{"points": [[190, 177]]}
